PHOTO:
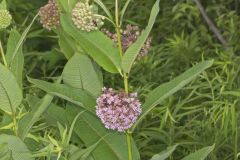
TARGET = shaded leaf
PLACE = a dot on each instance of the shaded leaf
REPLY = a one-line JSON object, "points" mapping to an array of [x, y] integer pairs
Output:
{"points": [[66, 44], [10, 92], [16, 62]]}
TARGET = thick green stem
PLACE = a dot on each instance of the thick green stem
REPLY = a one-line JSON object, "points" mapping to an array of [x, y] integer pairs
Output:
{"points": [[125, 76], [129, 143]]}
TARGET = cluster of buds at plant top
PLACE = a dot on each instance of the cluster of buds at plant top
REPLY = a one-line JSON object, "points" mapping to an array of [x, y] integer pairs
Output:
{"points": [[117, 110], [84, 18], [50, 15], [128, 36], [5, 19]]}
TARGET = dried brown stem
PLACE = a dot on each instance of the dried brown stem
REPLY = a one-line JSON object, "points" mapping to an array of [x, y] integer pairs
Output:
{"points": [[211, 24]]}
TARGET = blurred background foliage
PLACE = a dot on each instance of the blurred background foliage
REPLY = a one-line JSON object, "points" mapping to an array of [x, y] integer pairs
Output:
{"points": [[205, 112]]}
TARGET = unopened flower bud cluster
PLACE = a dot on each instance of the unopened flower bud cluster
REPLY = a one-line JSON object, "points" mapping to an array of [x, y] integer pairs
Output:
{"points": [[50, 15], [117, 110], [84, 18], [5, 19], [128, 37]]}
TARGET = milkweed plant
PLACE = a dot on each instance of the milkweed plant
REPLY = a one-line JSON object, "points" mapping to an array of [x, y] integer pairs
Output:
{"points": [[95, 121]]}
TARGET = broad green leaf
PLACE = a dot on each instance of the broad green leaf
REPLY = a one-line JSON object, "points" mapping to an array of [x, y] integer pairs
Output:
{"points": [[164, 154], [26, 123], [73, 95], [80, 73], [133, 51], [18, 61], [66, 44], [200, 154], [17, 147], [10, 92], [96, 44], [165, 90], [90, 129]]}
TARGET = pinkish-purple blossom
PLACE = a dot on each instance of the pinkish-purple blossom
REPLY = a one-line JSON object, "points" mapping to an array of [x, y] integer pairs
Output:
{"points": [[117, 110]]}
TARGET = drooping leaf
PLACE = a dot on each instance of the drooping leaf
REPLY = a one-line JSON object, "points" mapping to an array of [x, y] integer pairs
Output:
{"points": [[18, 149], [80, 73], [73, 95], [89, 128], [159, 94], [200, 154], [10, 92], [105, 9], [132, 52], [96, 44], [16, 62], [124, 10], [164, 154]]}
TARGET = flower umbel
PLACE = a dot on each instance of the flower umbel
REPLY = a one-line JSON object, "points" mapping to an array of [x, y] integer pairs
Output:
{"points": [[128, 37], [50, 15], [84, 18], [5, 19], [117, 110]]}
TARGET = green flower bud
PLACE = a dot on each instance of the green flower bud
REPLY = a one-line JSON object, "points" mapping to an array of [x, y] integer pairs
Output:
{"points": [[5, 19], [84, 18]]}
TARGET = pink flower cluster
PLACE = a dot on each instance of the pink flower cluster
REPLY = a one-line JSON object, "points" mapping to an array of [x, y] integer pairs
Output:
{"points": [[128, 36], [117, 110], [50, 15]]}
